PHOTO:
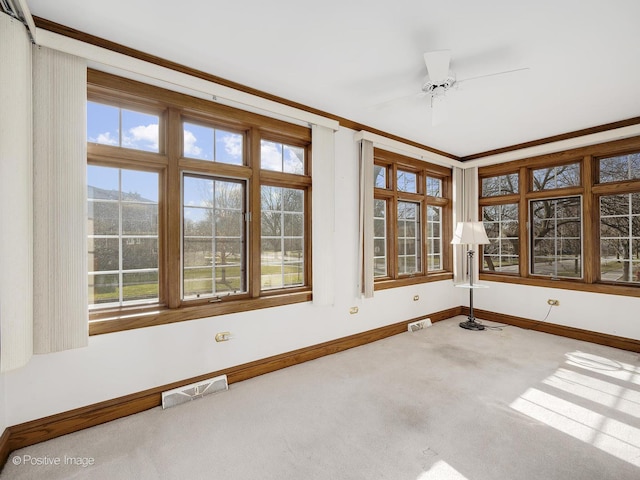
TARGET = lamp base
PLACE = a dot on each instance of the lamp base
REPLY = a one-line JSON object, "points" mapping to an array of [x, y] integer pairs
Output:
{"points": [[471, 324]]}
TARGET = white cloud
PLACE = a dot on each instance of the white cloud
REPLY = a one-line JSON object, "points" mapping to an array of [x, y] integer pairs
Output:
{"points": [[144, 137], [233, 145], [190, 147], [104, 139], [271, 156]]}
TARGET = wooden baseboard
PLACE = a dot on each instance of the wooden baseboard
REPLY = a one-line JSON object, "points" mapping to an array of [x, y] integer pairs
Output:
{"points": [[35, 431], [561, 330]]}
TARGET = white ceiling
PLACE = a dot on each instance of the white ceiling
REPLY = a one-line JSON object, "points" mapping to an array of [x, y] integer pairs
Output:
{"points": [[349, 57]]}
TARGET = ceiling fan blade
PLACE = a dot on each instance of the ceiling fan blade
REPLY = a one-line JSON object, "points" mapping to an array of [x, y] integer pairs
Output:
{"points": [[506, 72], [438, 65]]}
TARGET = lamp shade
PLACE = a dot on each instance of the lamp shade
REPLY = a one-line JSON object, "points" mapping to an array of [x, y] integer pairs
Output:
{"points": [[470, 233]]}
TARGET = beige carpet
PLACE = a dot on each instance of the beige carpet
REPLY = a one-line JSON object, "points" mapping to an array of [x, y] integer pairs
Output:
{"points": [[442, 403]]}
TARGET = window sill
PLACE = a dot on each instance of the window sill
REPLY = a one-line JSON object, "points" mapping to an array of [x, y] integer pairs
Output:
{"points": [[403, 282], [132, 319], [578, 285]]}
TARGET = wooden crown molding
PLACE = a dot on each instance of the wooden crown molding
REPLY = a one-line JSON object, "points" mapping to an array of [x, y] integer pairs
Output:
{"points": [[555, 138]]}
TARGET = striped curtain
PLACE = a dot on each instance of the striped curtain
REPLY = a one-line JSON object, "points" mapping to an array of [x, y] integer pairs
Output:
{"points": [[16, 226], [323, 216], [60, 315], [365, 250]]}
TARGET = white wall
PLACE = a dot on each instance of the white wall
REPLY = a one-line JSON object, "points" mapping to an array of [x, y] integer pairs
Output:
{"points": [[127, 362], [610, 314]]}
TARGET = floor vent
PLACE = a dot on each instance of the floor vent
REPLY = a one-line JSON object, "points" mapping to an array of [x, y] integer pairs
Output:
{"points": [[185, 394], [419, 325]]}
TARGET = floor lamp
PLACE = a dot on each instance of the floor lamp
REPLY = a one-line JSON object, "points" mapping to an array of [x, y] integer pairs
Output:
{"points": [[470, 233]]}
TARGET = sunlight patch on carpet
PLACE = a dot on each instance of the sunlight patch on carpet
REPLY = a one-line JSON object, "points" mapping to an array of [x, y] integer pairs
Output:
{"points": [[618, 436]]}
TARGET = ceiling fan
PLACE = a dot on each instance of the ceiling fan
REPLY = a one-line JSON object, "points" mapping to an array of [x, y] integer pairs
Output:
{"points": [[441, 80]]}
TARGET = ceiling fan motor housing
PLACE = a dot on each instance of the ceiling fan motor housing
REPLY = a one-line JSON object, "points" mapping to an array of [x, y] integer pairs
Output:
{"points": [[438, 88]]}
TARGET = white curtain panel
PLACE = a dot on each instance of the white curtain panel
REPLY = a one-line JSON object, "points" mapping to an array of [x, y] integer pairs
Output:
{"points": [[465, 194], [16, 226], [459, 251], [60, 315], [323, 216], [470, 194], [365, 257]]}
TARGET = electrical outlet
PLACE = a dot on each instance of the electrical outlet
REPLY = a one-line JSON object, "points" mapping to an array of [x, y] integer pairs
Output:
{"points": [[553, 303], [353, 310], [223, 336]]}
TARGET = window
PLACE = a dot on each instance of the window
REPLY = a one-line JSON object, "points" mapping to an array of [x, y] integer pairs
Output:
{"points": [[556, 237], [120, 127], [191, 204], [620, 237], [412, 212], [281, 158], [556, 177], [213, 144], [434, 238], [380, 238], [409, 241], [499, 185], [123, 236], [623, 167], [620, 219], [501, 224], [282, 240], [214, 236], [571, 224]]}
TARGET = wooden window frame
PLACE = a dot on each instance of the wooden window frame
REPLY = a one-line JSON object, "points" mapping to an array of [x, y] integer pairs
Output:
{"points": [[589, 189], [175, 108], [394, 162]]}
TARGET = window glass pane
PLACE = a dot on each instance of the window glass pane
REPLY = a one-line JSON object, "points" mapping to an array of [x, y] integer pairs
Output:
{"points": [[500, 185], [557, 237], [213, 244], [501, 225], [140, 130], [197, 141], [623, 167], [139, 286], [103, 124], [293, 159], [281, 158], [556, 177], [212, 144], [229, 147], [434, 187], [282, 237], [409, 241], [407, 181], [619, 238], [123, 236], [434, 238], [120, 127], [379, 176], [379, 238]]}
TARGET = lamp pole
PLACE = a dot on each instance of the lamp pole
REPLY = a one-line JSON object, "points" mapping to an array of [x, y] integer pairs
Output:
{"points": [[471, 323]]}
